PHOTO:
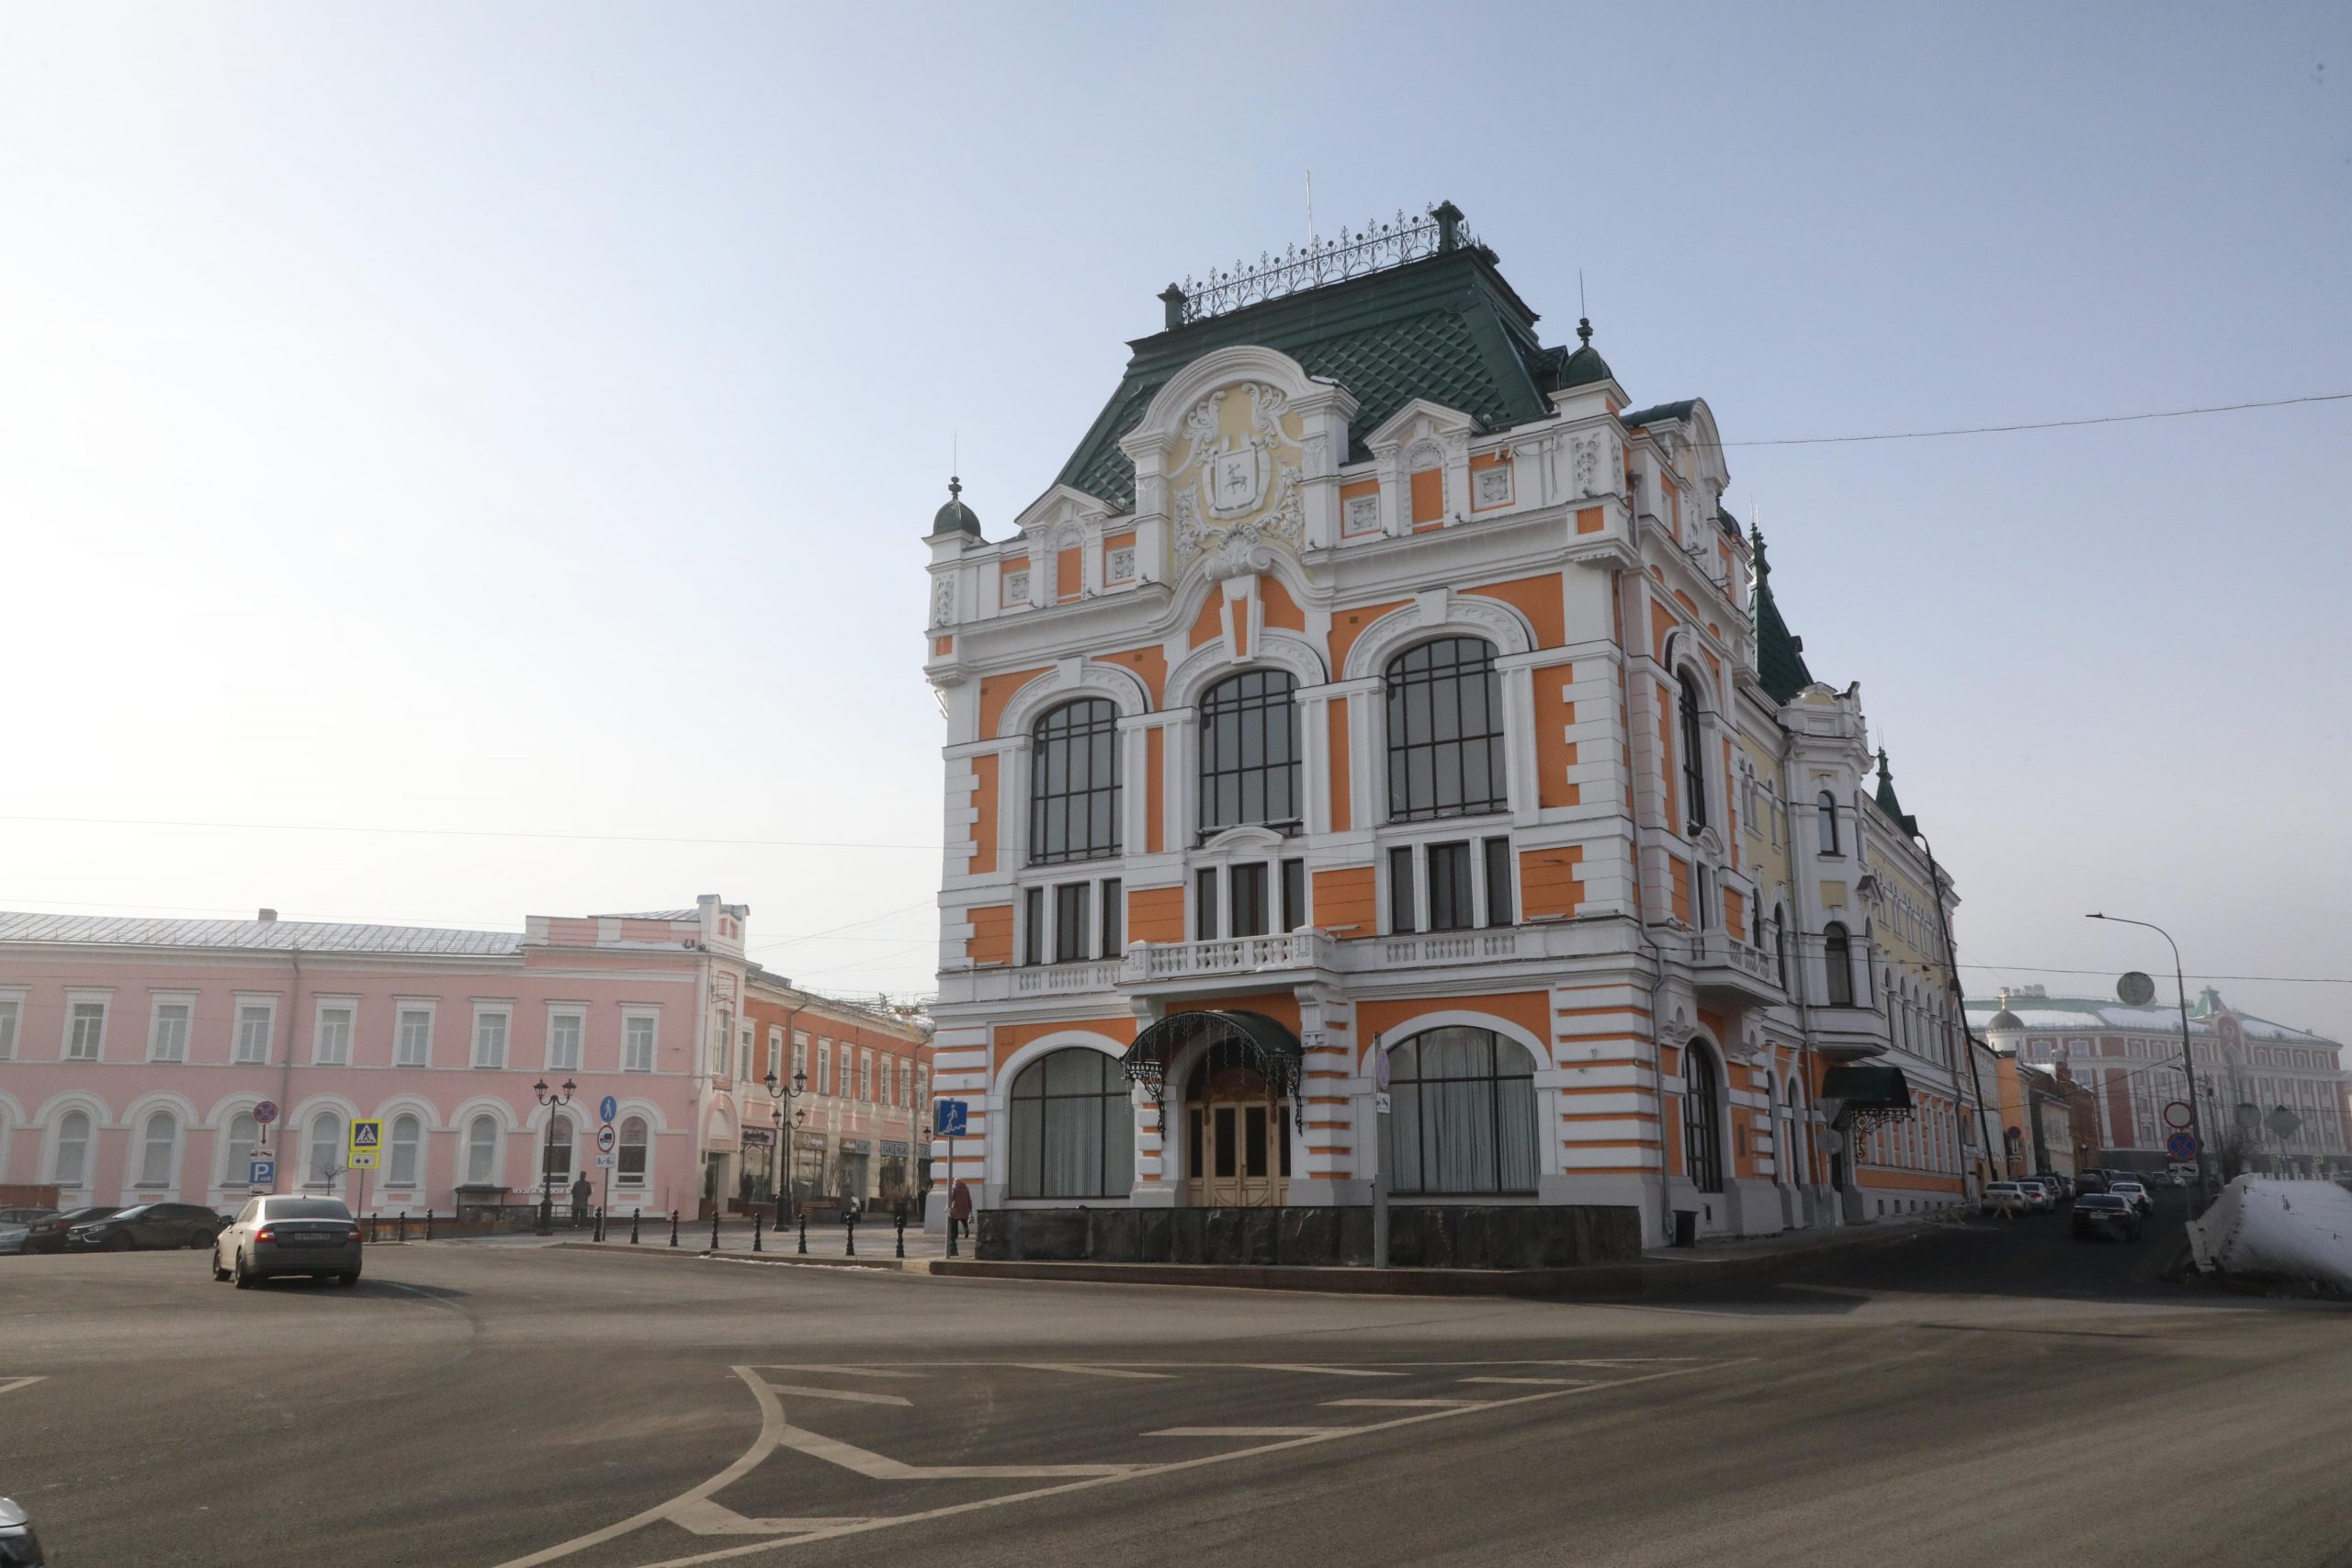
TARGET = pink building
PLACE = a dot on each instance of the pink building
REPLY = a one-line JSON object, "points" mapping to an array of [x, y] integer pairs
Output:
{"points": [[134, 1053]]}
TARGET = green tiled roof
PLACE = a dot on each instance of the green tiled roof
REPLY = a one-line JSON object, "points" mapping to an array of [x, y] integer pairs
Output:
{"points": [[1885, 800], [1447, 328], [1780, 657], [1659, 415]]}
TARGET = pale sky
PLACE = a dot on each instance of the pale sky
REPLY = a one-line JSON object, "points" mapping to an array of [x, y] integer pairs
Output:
{"points": [[521, 418]]}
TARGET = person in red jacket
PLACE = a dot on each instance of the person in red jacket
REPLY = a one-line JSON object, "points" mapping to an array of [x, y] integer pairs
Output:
{"points": [[960, 1210]]}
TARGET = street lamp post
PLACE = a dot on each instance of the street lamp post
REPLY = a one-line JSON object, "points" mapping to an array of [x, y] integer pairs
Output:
{"points": [[782, 1095], [551, 1101], [2187, 1055]]}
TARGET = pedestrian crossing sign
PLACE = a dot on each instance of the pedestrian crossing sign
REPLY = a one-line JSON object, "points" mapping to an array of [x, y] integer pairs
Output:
{"points": [[367, 1138]]}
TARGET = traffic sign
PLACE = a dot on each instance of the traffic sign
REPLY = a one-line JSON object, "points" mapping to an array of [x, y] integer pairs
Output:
{"points": [[949, 1118], [2181, 1146], [265, 1112], [2135, 989], [1380, 1103], [2180, 1114], [261, 1173], [607, 1108], [603, 1162], [605, 1138], [367, 1139]]}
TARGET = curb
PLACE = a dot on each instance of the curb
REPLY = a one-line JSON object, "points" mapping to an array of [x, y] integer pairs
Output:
{"points": [[769, 1259]]}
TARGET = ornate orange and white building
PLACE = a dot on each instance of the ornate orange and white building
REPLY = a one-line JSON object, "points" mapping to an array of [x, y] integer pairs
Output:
{"points": [[1378, 709]]}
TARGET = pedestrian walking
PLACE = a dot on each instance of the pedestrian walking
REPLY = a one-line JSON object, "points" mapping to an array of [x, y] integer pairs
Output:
{"points": [[580, 1191], [960, 1210]]}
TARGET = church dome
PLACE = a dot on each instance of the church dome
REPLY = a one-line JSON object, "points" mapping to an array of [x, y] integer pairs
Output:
{"points": [[956, 517]]}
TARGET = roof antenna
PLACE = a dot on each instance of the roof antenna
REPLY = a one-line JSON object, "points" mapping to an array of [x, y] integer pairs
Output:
{"points": [[1310, 209]]}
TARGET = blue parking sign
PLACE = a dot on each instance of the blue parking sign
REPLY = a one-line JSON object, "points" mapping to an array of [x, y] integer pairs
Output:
{"points": [[261, 1173], [948, 1118]]}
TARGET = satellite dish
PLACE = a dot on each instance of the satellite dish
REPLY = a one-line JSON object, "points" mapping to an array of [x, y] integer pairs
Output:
{"points": [[2135, 989]]}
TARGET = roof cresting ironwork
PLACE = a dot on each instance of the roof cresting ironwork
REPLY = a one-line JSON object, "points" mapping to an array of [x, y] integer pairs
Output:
{"points": [[1375, 247]]}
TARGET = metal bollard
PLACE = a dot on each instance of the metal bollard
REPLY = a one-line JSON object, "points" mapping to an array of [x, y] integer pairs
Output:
{"points": [[634, 1216], [755, 1230], [902, 1234], [428, 1224], [674, 1227], [803, 1249], [849, 1232], [600, 1222], [714, 1230], [403, 1236]]}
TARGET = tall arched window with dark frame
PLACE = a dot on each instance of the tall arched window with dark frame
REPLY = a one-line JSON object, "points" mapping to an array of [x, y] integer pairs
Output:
{"points": [[1249, 751], [1837, 965], [1074, 783], [1445, 731], [1694, 754], [1828, 804]]}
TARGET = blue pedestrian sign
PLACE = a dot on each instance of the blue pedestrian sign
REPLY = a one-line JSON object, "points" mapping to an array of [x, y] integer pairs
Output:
{"points": [[261, 1173], [947, 1117], [606, 1107], [2181, 1146]]}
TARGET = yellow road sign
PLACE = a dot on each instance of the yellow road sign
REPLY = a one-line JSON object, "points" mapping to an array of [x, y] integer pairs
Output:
{"points": [[367, 1138]]}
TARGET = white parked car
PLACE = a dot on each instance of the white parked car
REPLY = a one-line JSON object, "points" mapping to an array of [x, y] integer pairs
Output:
{"points": [[2141, 1198]]}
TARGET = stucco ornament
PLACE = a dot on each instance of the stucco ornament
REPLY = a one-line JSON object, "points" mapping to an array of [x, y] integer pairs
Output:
{"points": [[1243, 473]]}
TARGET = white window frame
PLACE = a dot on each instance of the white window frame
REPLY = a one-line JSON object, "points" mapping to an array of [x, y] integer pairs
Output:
{"points": [[643, 1181], [404, 1009], [11, 1020], [142, 1145], [156, 1045], [886, 1079], [309, 1146], [319, 1010], [631, 1017], [239, 1002], [75, 999], [824, 1066], [776, 1052], [799, 1052], [483, 1013], [575, 1013], [392, 1183], [495, 1175], [234, 1170], [84, 1167], [864, 1076]]}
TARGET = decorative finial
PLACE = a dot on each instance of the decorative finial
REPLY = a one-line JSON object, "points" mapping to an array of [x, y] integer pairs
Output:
{"points": [[1584, 330], [955, 487], [1882, 777], [1756, 547]]}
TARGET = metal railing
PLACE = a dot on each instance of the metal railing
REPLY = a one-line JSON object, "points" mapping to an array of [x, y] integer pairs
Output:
{"points": [[1227, 955], [1375, 247]]}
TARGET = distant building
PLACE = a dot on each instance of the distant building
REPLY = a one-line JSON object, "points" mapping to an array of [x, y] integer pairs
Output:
{"points": [[855, 1129], [2248, 1071], [1377, 697]]}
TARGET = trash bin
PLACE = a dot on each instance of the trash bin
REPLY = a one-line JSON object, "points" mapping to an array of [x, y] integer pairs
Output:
{"points": [[1686, 1228]]}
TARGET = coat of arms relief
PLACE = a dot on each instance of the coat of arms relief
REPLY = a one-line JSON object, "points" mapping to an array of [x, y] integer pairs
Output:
{"points": [[1245, 501]]}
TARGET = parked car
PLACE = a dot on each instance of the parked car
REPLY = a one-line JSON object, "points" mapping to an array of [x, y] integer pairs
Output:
{"points": [[2040, 1198], [2061, 1188], [2106, 1214], [147, 1227], [16, 1227], [2005, 1196], [2092, 1180], [49, 1234], [20, 1547], [280, 1234], [2142, 1198]]}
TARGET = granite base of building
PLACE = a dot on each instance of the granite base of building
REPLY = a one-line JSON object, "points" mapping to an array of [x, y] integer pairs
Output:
{"points": [[1419, 1236]]}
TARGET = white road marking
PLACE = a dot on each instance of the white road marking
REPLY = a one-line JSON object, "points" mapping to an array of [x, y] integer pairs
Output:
{"points": [[1088, 1371], [15, 1384], [1319, 1371], [881, 1467], [839, 1371], [854, 1396], [1245, 1431], [1401, 1403], [707, 1518], [1542, 1383]]}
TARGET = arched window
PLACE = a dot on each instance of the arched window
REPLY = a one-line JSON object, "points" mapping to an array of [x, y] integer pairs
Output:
{"points": [[1074, 783], [1828, 823], [558, 1167], [1837, 961], [635, 1135], [481, 1150], [244, 1136], [1249, 750], [1702, 1154], [1073, 1128], [1694, 755], [71, 1167], [326, 1148], [1462, 1116], [1780, 942], [159, 1141], [408, 1148], [1445, 731]]}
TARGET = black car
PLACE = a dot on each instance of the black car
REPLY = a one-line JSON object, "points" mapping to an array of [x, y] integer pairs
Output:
{"points": [[19, 1548], [2106, 1214], [148, 1227], [49, 1234]]}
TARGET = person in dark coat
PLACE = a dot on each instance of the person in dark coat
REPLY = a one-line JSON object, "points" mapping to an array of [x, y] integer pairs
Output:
{"points": [[581, 1191], [960, 1210]]}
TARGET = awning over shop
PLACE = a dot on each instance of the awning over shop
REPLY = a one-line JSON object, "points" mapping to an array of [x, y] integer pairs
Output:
{"points": [[1271, 1048], [1866, 1093]]}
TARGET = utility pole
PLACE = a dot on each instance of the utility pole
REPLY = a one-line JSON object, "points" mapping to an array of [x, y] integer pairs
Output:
{"points": [[2187, 1056]]}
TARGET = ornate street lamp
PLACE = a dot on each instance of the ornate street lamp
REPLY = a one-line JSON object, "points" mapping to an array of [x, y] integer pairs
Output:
{"points": [[551, 1101], [782, 1095]]}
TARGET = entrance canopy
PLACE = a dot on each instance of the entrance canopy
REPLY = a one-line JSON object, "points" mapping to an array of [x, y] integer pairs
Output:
{"points": [[1264, 1043], [1867, 1094]]}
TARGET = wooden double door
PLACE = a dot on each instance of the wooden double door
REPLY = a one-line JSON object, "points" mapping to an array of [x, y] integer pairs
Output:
{"points": [[1236, 1148]]}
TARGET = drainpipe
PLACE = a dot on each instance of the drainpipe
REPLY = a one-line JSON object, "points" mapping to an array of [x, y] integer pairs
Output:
{"points": [[286, 1071], [1804, 993]]}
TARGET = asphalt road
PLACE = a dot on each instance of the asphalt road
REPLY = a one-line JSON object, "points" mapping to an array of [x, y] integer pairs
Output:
{"points": [[1993, 1393]]}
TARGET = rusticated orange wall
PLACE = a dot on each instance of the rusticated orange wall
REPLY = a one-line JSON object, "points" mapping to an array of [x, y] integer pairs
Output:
{"points": [[984, 825], [991, 939], [1348, 898], [1537, 598], [1547, 882], [1156, 914]]}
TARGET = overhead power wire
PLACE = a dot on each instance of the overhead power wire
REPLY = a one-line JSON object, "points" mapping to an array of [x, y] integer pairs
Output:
{"points": [[461, 833], [2041, 423]]}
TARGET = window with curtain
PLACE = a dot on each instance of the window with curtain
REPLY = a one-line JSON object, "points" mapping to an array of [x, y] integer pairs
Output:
{"points": [[159, 1140], [1249, 751], [1837, 963], [1445, 730], [1463, 1113], [1074, 783], [72, 1163], [1073, 1128], [408, 1151], [634, 1137], [1694, 754], [481, 1150], [558, 1149], [1703, 1158], [244, 1136], [326, 1146]]}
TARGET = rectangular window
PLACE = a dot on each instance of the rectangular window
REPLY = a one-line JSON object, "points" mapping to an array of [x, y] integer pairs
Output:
{"points": [[776, 1052], [1449, 905], [1294, 895], [11, 1009], [1498, 899], [800, 1054], [167, 1037], [1034, 919], [412, 1038], [331, 1046], [866, 1076], [257, 1023], [886, 1083], [490, 1039], [636, 1043], [1204, 925], [824, 1066], [1113, 897], [564, 1029], [1250, 899], [744, 1061], [85, 1031], [1070, 920], [1400, 890]]}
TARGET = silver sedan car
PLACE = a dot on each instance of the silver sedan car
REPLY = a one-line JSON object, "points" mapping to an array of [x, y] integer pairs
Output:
{"points": [[288, 1234]]}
